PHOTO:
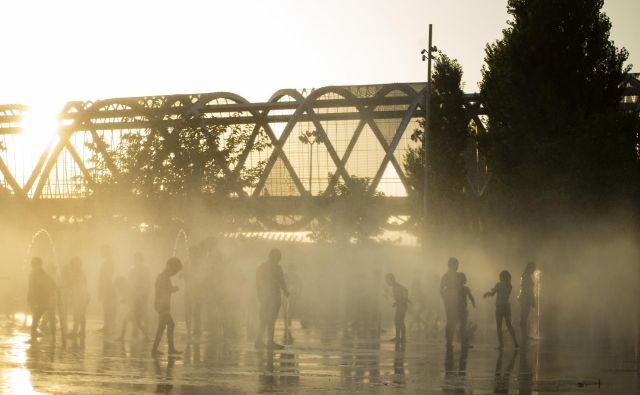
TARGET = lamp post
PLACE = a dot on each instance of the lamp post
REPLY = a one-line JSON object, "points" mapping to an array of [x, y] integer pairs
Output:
{"points": [[311, 138], [427, 54]]}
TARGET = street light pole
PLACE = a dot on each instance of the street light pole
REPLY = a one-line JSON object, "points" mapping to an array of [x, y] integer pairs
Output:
{"points": [[427, 55]]}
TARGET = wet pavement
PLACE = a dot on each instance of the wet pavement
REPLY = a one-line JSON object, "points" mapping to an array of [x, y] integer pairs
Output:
{"points": [[320, 361]]}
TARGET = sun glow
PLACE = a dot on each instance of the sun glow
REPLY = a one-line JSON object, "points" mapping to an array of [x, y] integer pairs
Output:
{"points": [[39, 134]]}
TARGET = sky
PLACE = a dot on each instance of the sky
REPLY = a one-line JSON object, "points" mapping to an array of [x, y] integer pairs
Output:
{"points": [[53, 52]]}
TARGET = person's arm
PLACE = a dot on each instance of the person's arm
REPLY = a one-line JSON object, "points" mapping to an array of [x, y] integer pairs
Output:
{"points": [[491, 292], [442, 287], [473, 301]]}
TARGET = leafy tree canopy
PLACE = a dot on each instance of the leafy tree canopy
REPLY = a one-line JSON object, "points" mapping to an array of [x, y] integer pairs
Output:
{"points": [[193, 157], [449, 135], [552, 87]]}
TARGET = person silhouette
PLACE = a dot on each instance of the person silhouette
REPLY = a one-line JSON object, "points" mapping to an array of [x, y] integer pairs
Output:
{"points": [[41, 297], [401, 303], [464, 311], [503, 307], [526, 298], [451, 292], [79, 297], [107, 291], [162, 304], [269, 284]]}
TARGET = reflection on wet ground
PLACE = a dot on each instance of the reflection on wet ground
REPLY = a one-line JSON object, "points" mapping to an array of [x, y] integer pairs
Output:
{"points": [[319, 362]]}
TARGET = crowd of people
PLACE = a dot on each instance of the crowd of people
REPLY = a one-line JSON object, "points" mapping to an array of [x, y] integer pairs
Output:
{"points": [[209, 286]]}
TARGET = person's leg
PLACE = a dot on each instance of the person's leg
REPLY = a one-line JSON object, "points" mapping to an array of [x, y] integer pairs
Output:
{"points": [[197, 318], [396, 321], [138, 321], [36, 315], [403, 327], [83, 323], [507, 318], [125, 324], [262, 326], [271, 328], [105, 316], [188, 313], [52, 323], [159, 332], [451, 324], [463, 315], [499, 317], [524, 320], [170, 327]]}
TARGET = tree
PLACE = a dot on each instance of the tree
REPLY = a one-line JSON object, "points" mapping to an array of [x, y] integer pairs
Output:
{"points": [[449, 135], [192, 158], [351, 213], [552, 87]]}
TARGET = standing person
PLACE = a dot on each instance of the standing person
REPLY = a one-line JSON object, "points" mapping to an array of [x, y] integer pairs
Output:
{"points": [[79, 297], [401, 303], [464, 311], [269, 283], [164, 289], [107, 290], [140, 288], [503, 308], [41, 297], [526, 298], [451, 292]]}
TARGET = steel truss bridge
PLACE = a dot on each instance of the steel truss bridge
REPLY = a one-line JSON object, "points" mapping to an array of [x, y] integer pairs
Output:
{"points": [[365, 132]]}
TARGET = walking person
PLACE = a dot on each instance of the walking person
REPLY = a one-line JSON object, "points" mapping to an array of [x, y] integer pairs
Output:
{"points": [[451, 292], [164, 289], [502, 291]]}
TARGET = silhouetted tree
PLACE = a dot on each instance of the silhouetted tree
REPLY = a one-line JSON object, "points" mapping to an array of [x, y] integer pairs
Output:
{"points": [[191, 158], [552, 87], [448, 139], [351, 213]]}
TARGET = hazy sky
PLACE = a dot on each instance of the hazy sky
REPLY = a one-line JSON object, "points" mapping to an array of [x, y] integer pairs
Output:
{"points": [[63, 50]]}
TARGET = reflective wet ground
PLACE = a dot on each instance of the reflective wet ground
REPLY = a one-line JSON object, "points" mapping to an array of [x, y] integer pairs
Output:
{"points": [[318, 362]]}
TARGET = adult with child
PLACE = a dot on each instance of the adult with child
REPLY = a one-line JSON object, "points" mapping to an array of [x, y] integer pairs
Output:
{"points": [[502, 291]]}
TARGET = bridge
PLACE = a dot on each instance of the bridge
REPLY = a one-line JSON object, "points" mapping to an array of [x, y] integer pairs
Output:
{"points": [[361, 131]]}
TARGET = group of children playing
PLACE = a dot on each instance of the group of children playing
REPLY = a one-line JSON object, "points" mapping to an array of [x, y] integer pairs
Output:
{"points": [[44, 297], [455, 294]]}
